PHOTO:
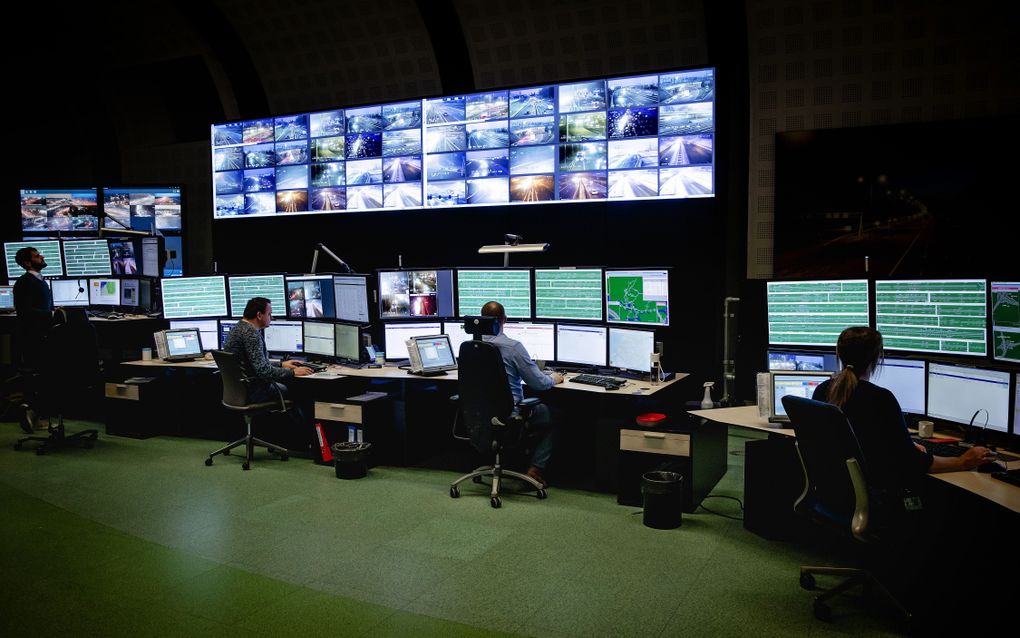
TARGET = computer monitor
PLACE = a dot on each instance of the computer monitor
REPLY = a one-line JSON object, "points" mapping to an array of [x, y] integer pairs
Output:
{"points": [[568, 293], [510, 287], [87, 257], [905, 379], [813, 313], [310, 297], [208, 330], [959, 393], [173, 247], [396, 334], [1016, 405], [1006, 321], [124, 258], [284, 336], [151, 257], [798, 384], [7, 298], [581, 344], [638, 296], [244, 287], [539, 339], [49, 249], [129, 292], [802, 361], [318, 338], [226, 325], [347, 339], [104, 291], [631, 349], [433, 352], [142, 207], [455, 330], [70, 292], [351, 295], [145, 294], [192, 297], [183, 344], [933, 315], [59, 209], [415, 293]]}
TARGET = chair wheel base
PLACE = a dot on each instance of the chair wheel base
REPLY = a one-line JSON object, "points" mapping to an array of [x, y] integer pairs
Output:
{"points": [[807, 581], [477, 480], [495, 502], [454, 492], [208, 461], [246, 466], [226, 452], [541, 494]]}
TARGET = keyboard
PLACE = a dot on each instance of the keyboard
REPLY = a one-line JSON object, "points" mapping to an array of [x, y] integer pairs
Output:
{"points": [[314, 366], [1009, 476], [105, 314], [941, 448], [594, 379]]}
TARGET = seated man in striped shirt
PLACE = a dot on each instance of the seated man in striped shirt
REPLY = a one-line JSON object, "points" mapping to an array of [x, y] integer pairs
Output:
{"points": [[247, 342]]}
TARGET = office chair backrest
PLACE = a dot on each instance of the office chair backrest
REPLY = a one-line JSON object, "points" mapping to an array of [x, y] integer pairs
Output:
{"points": [[235, 394], [71, 350], [834, 469], [484, 391]]}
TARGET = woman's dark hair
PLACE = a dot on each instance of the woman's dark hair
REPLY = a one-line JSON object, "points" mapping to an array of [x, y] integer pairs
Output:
{"points": [[254, 306], [860, 350]]}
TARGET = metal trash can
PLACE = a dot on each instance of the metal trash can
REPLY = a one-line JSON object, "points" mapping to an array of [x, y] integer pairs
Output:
{"points": [[351, 459], [663, 499]]}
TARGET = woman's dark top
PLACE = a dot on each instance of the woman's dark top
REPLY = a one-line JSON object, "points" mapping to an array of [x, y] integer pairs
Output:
{"points": [[891, 461]]}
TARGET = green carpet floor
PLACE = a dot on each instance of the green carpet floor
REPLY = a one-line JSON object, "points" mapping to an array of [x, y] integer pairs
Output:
{"points": [[139, 538]]}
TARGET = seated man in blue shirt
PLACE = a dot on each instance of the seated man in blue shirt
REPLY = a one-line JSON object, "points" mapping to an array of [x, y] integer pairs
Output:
{"points": [[247, 342], [520, 367]]}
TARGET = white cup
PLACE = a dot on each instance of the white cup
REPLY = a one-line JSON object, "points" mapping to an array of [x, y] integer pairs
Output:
{"points": [[146, 354], [925, 429]]}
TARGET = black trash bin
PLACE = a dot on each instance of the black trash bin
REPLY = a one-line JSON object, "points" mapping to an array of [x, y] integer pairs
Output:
{"points": [[351, 459], [663, 499]]}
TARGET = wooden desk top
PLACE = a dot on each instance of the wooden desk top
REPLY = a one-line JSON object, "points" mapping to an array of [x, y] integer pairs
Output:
{"points": [[973, 481], [208, 364]]}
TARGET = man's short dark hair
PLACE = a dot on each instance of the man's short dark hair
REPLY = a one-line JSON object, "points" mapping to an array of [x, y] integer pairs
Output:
{"points": [[254, 306], [494, 309], [24, 256]]}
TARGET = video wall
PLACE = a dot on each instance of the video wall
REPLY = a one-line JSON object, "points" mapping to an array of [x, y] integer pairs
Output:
{"points": [[59, 209], [626, 138]]}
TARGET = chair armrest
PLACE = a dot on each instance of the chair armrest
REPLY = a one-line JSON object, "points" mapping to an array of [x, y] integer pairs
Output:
{"points": [[526, 407]]}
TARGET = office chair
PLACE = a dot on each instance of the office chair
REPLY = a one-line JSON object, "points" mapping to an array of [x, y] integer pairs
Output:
{"points": [[69, 367], [235, 397], [836, 496], [492, 420]]}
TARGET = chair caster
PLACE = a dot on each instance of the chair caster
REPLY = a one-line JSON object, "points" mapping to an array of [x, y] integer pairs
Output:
{"points": [[807, 581], [495, 502], [477, 480], [208, 462], [245, 466], [822, 612], [541, 494], [454, 492]]}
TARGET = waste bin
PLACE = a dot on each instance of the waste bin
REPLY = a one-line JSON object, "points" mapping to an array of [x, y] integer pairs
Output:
{"points": [[351, 459], [663, 499]]}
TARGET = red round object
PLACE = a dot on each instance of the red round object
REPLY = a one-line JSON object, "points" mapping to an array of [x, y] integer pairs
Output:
{"points": [[650, 419]]}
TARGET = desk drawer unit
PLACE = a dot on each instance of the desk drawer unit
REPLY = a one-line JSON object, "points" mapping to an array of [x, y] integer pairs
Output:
{"points": [[669, 443], [122, 391], [343, 412]]}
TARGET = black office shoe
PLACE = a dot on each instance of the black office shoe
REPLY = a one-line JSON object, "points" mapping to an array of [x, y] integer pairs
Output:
{"points": [[535, 472], [28, 420]]}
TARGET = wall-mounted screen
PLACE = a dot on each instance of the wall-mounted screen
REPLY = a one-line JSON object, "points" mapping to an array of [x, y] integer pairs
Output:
{"points": [[49, 249], [637, 296], [87, 257], [310, 297], [624, 138], [813, 313], [928, 315], [142, 208], [244, 287], [188, 297], [351, 295], [1006, 320], [64, 209], [415, 293]]}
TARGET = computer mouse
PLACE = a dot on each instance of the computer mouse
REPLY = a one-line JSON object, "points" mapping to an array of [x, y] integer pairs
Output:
{"points": [[610, 388], [991, 466]]}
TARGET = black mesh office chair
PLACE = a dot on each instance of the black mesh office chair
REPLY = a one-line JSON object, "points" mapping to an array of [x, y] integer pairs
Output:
{"points": [[68, 371], [836, 496], [235, 397], [489, 415]]}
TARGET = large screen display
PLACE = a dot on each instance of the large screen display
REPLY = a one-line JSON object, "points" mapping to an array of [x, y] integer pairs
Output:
{"points": [[944, 316], [50, 209], [142, 208], [1006, 321], [623, 138], [814, 313]]}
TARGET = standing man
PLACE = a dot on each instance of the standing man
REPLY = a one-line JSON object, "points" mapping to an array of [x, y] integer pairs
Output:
{"points": [[520, 367], [33, 302], [248, 343]]}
